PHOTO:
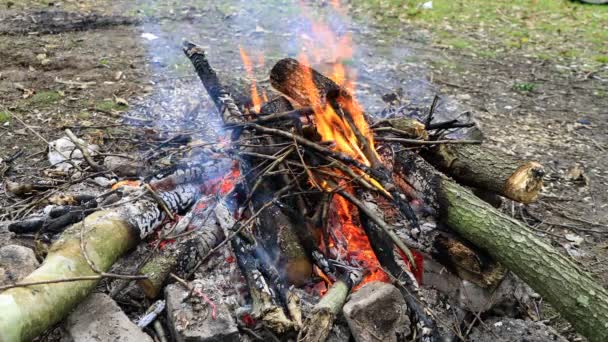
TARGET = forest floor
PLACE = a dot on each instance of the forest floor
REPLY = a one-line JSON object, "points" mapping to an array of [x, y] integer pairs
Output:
{"points": [[535, 74]]}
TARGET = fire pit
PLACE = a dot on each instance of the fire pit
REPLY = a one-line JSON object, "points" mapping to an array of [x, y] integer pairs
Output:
{"points": [[315, 219]]}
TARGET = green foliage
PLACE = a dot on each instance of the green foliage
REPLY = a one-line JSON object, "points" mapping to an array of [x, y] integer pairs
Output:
{"points": [[524, 87]]}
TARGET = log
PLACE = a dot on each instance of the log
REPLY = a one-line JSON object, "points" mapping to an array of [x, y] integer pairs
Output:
{"points": [[288, 76], [224, 102], [29, 310], [573, 292], [482, 167], [264, 302], [181, 256], [317, 326]]}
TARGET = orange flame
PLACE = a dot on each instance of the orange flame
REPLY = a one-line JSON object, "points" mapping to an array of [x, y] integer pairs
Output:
{"points": [[325, 47], [255, 96]]}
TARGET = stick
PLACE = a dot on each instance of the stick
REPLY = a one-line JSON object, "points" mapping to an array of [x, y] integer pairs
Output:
{"points": [[84, 150]]}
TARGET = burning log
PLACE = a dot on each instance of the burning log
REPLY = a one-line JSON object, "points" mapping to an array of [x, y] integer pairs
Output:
{"points": [[182, 255], [265, 306], [572, 291], [485, 168], [79, 258]]}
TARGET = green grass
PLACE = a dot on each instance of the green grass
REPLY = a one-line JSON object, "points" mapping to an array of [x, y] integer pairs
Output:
{"points": [[5, 117], [108, 106], [45, 97], [555, 28]]}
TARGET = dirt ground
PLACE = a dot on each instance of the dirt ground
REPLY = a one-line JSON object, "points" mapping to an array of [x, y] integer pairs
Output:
{"points": [[537, 108]]}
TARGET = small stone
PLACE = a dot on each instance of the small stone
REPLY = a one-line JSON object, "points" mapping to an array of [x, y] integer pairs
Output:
{"points": [[123, 167], [501, 329], [193, 323], [377, 312], [16, 262], [99, 318]]}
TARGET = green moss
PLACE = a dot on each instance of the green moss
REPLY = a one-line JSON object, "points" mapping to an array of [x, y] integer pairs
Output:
{"points": [[46, 97], [83, 115], [5, 117], [108, 106]]}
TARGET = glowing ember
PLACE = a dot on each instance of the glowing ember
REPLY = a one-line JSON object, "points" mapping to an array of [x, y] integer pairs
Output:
{"points": [[255, 96], [132, 183], [223, 185]]}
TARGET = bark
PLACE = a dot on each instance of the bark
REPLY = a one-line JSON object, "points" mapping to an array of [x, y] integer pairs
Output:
{"points": [[29, 310], [224, 102], [264, 301], [277, 233], [321, 319], [181, 256], [572, 291], [289, 77], [485, 168]]}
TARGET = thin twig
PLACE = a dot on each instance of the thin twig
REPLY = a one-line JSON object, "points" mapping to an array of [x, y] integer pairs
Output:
{"points": [[67, 280], [85, 151], [429, 142]]}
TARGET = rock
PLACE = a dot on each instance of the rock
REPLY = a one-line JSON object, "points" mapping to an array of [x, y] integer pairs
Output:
{"points": [[191, 321], [16, 262], [99, 318], [123, 167], [507, 298], [510, 329], [377, 312]]}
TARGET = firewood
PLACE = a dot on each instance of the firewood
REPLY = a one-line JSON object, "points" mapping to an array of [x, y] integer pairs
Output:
{"points": [[182, 255], [572, 291], [265, 304], [28, 310], [485, 168], [317, 326]]}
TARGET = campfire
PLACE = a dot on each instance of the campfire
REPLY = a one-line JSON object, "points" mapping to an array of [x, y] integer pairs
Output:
{"points": [[313, 205]]}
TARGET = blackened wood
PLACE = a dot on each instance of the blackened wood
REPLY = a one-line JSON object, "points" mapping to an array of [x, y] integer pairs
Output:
{"points": [[383, 248], [290, 77], [224, 102], [265, 306]]}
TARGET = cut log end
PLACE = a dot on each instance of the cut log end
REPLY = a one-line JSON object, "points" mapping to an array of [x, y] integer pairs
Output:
{"points": [[525, 183]]}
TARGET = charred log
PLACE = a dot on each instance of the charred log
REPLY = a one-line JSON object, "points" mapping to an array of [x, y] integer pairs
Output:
{"points": [[265, 302]]}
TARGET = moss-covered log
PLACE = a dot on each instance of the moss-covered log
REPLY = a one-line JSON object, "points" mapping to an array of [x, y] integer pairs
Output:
{"points": [[572, 291], [28, 311], [485, 168]]}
